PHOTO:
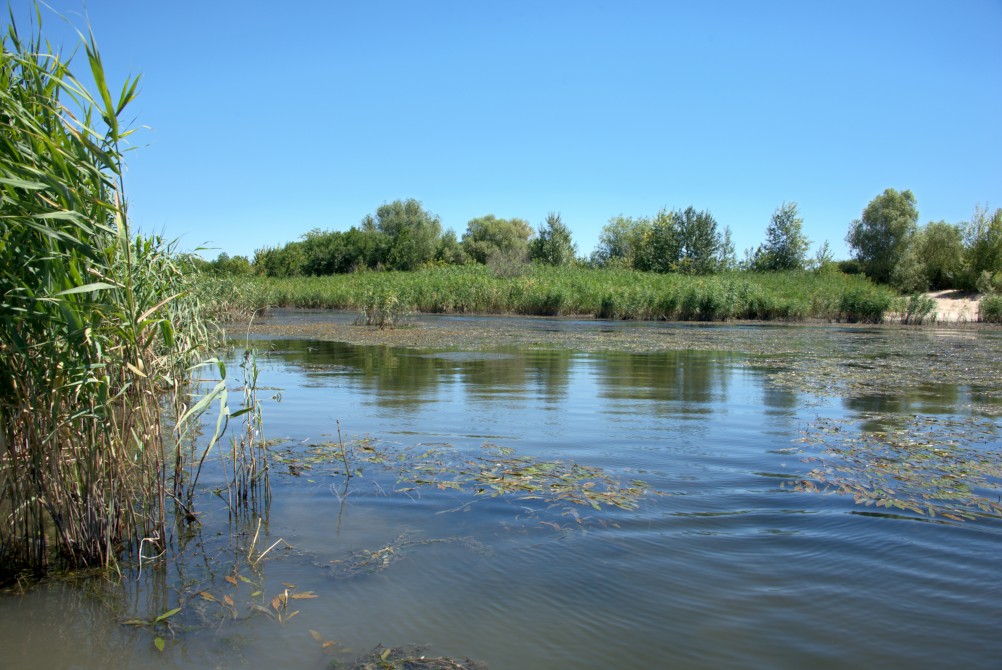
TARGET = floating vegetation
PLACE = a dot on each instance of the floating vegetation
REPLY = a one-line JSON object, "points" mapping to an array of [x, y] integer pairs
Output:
{"points": [[925, 465], [493, 471], [370, 561], [499, 471], [407, 658]]}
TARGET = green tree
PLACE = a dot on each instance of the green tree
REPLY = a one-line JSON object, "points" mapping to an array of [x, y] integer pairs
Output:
{"points": [[983, 248], [285, 261], [411, 233], [728, 259], [882, 236], [450, 251], [940, 249], [661, 247], [824, 259], [620, 240], [685, 241], [553, 244], [701, 242], [785, 245], [229, 265], [489, 236]]}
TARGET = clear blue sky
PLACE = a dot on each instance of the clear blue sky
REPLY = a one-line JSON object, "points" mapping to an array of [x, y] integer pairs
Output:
{"points": [[268, 119]]}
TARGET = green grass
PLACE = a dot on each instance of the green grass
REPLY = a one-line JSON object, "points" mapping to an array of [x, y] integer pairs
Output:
{"points": [[549, 291]]}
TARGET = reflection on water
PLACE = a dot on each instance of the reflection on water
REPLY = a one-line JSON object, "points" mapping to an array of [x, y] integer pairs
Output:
{"points": [[728, 568]]}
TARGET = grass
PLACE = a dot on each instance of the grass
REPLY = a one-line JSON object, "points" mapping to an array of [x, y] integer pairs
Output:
{"points": [[99, 330], [549, 291]]}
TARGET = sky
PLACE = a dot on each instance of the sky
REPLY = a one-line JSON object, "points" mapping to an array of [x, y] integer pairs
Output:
{"points": [[259, 121]]}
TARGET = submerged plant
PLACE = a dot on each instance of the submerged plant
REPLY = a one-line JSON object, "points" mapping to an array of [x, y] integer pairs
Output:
{"points": [[927, 466]]}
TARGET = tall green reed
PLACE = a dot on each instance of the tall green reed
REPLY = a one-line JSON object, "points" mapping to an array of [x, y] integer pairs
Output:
{"points": [[604, 293], [99, 330]]}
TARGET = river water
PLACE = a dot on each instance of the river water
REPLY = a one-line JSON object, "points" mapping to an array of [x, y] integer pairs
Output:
{"points": [[722, 559]]}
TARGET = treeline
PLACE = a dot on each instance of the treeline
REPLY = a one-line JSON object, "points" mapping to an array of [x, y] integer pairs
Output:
{"points": [[887, 244], [402, 235], [890, 248]]}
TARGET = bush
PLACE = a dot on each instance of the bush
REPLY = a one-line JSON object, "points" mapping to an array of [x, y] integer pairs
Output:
{"points": [[917, 309], [990, 309]]}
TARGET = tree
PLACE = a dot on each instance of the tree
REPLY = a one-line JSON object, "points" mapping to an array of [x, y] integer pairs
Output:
{"points": [[882, 236], [411, 232], [450, 251], [285, 261], [728, 258], [620, 240], [661, 247], [553, 244], [983, 248], [489, 236], [701, 242], [685, 241], [229, 265], [940, 249], [785, 245]]}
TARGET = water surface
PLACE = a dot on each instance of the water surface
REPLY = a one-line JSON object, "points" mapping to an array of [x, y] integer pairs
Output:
{"points": [[725, 565]]}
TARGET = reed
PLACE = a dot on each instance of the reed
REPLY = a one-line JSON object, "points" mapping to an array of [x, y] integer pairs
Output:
{"points": [[99, 329], [563, 291]]}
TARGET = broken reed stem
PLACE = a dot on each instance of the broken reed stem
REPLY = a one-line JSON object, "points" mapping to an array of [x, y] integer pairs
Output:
{"points": [[344, 452]]}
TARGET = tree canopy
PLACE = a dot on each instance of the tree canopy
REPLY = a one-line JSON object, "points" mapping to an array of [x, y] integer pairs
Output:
{"points": [[685, 241], [553, 244], [488, 236], [620, 240], [880, 238], [412, 234], [785, 246]]}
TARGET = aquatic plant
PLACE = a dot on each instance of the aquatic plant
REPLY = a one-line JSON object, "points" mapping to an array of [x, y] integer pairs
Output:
{"points": [[99, 331], [925, 465], [382, 310], [918, 308], [566, 290]]}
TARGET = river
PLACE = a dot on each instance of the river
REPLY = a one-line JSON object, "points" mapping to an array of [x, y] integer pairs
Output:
{"points": [[767, 510]]}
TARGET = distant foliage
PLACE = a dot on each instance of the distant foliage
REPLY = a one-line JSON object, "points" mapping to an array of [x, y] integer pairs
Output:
{"points": [[684, 241], [620, 241], [410, 234], [990, 309], [553, 244], [939, 247], [880, 238], [224, 264], [785, 246], [489, 237], [983, 252]]}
